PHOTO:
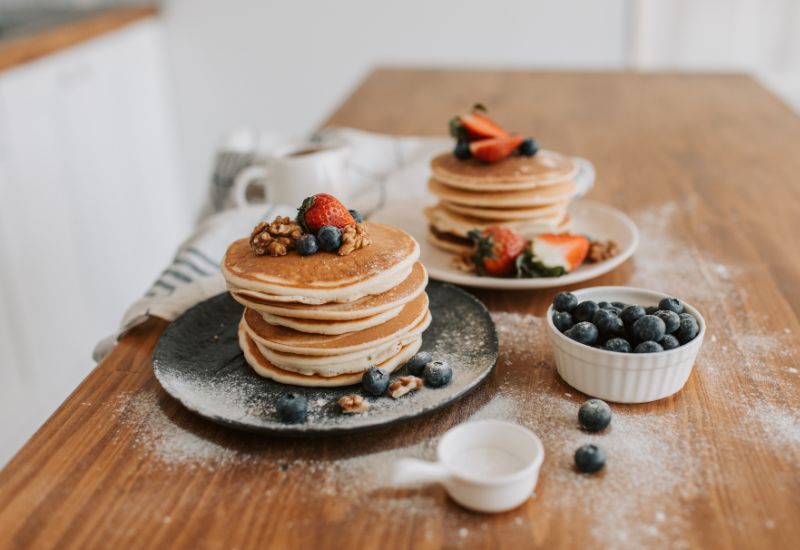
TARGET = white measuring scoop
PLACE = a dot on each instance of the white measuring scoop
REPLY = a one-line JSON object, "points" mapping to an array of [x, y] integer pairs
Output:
{"points": [[487, 465]]}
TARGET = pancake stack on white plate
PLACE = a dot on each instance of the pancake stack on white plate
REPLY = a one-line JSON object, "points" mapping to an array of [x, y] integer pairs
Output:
{"points": [[322, 320], [528, 194]]}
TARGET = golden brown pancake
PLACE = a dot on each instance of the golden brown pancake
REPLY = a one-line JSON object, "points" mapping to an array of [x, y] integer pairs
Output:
{"points": [[411, 287], [292, 341], [505, 214], [499, 199], [266, 369], [327, 326], [460, 225], [325, 276], [515, 172]]}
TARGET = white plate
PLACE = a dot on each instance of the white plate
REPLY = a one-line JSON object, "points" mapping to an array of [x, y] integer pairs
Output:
{"points": [[597, 220]]}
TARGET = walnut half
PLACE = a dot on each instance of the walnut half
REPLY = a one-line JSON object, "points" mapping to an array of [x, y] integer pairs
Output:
{"points": [[601, 250], [353, 238], [275, 238], [404, 385], [351, 404]]}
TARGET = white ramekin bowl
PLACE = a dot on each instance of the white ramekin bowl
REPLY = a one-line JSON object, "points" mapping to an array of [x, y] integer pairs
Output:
{"points": [[624, 377]]}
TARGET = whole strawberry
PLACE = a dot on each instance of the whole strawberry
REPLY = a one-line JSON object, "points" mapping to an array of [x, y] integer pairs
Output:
{"points": [[323, 209], [496, 250]]}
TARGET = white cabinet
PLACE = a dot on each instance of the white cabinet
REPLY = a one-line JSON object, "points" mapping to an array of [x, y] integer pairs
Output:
{"points": [[90, 209]]}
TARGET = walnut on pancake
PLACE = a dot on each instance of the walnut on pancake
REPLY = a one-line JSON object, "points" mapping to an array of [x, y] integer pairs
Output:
{"points": [[275, 238], [353, 238]]}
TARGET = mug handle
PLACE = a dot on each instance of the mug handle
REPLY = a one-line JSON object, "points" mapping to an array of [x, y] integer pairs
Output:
{"points": [[244, 179]]}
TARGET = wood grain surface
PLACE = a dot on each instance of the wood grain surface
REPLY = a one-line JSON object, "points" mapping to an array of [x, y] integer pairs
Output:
{"points": [[26, 48], [706, 165]]}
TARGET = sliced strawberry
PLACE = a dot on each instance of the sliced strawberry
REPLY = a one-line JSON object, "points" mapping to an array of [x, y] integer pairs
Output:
{"points": [[480, 126], [553, 250], [496, 250], [495, 149]]}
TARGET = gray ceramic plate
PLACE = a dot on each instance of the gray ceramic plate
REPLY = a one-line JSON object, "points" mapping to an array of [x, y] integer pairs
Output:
{"points": [[198, 361]]}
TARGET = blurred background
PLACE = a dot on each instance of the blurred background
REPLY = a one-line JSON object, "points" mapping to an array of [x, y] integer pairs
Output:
{"points": [[108, 137]]}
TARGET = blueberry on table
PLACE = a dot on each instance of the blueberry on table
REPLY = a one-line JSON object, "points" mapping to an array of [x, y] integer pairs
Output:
{"points": [[590, 459], [671, 319], [356, 215], [584, 311], [618, 344], [437, 374], [649, 327], [671, 304], [329, 237], [669, 342], [418, 362], [648, 347], [462, 150], [631, 314], [292, 408], [687, 330], [562, 320], [375, 381], [594, 415], [584, 333], [528, 147], [307, 245], [565, 301]]}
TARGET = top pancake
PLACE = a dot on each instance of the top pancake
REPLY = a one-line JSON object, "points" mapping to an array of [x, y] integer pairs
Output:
{"points": [[324, 277], [513, 173]]}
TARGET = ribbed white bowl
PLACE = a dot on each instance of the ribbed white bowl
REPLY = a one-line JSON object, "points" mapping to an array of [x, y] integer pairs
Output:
{"points": [[624, 377]]}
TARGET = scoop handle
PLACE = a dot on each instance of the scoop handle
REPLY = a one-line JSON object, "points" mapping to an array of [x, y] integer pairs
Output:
{"points": [[408, 471]]}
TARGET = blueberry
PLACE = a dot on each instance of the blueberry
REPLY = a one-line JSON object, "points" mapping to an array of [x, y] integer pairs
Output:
{"points": [[375, 381], [590, 459], [649, 327], [613, 328], [528, 148], [292, 408], [307, 245], [604, 305], [669, 342], [648, 347], [618, 344], [584, 332], [462, 150], [650, 310], [619, 305], [601, 315], [565, 301], [585, 311], [418, 362], [594, 415], [687, 330], [615, 310], [631, 314], [437, 374], [670, 318], [356, 215], [330, 238], [562, 320], [671, 304]]}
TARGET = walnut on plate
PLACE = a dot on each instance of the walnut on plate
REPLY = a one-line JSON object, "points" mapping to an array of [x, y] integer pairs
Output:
{"points": [[601, 250], [353, 238], [404, 385], [351, 404], [275, 238]]}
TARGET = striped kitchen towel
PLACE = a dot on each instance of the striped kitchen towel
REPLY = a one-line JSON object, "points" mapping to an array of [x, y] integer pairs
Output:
{"points": [[381, 168]]}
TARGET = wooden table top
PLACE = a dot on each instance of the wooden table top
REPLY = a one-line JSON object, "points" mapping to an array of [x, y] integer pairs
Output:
{"points": [[706, 165]]}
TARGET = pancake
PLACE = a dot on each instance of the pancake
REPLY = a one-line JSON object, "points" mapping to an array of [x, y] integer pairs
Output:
{"points": [[267, 370], [514, 173], [449, 243], [505, 214], [291, 341], [331, 327], [460, 225], [411, 287], [513, 199], [324, 277]]}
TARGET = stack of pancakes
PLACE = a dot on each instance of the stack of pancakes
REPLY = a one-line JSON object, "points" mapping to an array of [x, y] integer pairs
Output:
{"points": [[528, 194], [323, 319]]}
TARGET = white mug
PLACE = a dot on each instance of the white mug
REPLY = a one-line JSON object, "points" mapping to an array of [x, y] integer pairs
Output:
{"points": [[289, 174], [487, 466]]}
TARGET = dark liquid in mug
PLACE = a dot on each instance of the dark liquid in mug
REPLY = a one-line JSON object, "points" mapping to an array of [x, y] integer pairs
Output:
{"points": [[303, 152]]}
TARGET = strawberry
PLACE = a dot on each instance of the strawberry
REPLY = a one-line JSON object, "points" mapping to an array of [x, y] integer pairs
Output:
{"points": [[495, 149], [323, 209], [475, 126], [553, 255], [496, 250]]}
